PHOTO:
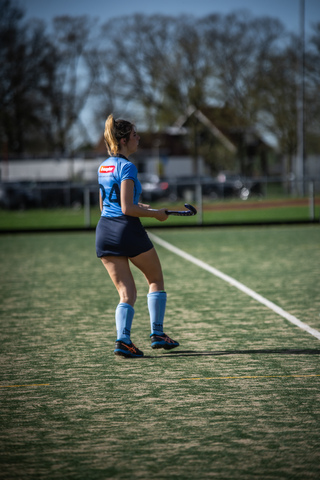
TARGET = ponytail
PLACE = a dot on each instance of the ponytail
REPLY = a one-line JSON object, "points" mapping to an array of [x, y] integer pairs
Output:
{"points": [[113, 132]]}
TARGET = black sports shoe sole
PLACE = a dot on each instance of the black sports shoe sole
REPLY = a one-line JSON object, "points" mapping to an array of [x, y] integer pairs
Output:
{"points": [[121, 353], [165, 347]]}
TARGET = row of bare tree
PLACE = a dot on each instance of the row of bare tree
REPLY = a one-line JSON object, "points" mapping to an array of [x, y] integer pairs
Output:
{"points": [[58, 82]]}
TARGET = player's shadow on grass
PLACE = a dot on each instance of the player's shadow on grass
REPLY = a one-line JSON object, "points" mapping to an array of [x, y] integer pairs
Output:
{"points": [[278, 351]]}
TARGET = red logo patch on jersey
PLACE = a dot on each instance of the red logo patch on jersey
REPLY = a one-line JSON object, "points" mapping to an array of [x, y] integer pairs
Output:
{"points": [[107, 169]]}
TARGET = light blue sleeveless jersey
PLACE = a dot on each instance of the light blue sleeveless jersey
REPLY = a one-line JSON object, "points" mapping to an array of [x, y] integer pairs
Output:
{"points": [[110, 175]]}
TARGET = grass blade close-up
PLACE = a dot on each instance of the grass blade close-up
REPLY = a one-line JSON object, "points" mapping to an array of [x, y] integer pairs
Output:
{"points": [[239, 399]]}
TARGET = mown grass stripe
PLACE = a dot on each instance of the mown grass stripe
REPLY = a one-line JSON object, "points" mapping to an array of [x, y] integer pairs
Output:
{"points": [[272, 306], [247, 377], [29, 385]]}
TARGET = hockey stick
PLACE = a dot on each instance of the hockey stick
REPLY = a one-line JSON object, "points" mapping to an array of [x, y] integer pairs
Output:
{"points": [[183, 213]]}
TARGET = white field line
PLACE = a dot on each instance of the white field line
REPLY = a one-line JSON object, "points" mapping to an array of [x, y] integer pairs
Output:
{"points": [[236, 284]]}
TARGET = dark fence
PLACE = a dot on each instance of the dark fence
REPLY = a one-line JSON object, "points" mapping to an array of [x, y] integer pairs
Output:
{"points": [[200, 191]]}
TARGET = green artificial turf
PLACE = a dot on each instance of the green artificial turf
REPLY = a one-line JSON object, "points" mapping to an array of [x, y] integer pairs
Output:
{"points": [[239, 399]]}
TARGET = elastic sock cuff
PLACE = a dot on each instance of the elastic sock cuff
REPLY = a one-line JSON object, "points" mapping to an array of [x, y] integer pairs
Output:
{"points": [[127, 305], [161, 293]]}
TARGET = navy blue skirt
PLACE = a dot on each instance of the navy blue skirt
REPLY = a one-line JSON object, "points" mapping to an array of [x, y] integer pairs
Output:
{"points": [[121, 236]]}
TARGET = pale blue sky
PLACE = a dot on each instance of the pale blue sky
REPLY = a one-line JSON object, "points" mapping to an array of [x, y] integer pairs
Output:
{"points": [[285, 10]]}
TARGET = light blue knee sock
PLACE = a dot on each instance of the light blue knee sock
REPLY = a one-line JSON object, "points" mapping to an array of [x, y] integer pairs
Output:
{"points": [[124, 317], [157, 307]]}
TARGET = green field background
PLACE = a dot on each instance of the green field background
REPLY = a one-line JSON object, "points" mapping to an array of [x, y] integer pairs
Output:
{"points": [[213, 213], [239, 399]]}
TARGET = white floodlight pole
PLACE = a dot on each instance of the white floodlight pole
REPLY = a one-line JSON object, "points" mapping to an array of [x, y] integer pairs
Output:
{"points": [[300, 159]]}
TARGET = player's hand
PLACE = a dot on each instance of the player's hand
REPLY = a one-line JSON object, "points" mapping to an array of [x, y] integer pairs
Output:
{"points": [[161, 215], [143, 205]]}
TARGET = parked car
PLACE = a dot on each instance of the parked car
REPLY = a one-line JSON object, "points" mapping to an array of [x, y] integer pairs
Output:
{"points": [[184, 187], [224, 185], [231, 185], [153, 188], [67, 194], [24, 195], [19, 195], [242, 186]]}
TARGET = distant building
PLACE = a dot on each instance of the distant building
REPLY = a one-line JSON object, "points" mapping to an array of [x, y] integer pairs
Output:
{"points": [[178, 150]]}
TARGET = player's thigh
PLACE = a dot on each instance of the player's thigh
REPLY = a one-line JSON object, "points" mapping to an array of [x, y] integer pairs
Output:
{"points": [[149, 264]]}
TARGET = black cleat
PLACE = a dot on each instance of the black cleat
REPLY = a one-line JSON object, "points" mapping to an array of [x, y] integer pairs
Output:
{"points": [[163, 341], [125, 350]]}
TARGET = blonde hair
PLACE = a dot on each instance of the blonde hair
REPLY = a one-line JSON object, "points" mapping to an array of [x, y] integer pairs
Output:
{"points": [[114, 130]]}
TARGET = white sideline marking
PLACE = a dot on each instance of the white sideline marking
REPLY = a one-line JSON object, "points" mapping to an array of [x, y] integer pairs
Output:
{"points": [[236, 284]]}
